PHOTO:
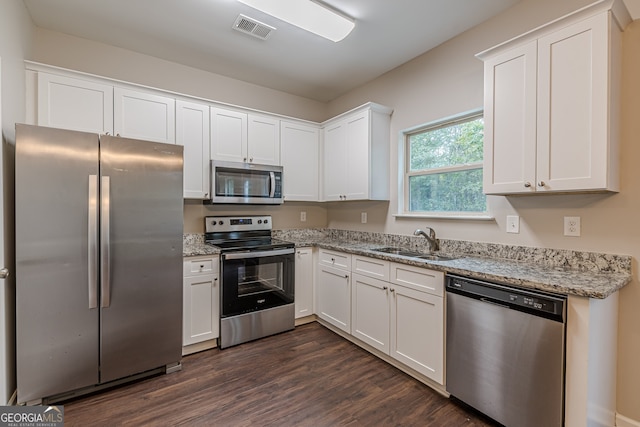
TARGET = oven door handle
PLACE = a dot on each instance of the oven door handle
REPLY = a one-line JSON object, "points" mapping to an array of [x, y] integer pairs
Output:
{"points": [[259, 254]]}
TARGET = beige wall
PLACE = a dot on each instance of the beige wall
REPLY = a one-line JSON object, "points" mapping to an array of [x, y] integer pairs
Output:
{"points": [[66, 51], [448, 80]]}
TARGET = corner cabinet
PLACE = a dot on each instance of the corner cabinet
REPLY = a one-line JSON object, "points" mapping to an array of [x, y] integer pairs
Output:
{"points": [[356, 154], [551, 106], [201, 304]]}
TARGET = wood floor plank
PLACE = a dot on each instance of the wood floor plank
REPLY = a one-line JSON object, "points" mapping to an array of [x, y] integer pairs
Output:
{"points": [[306, 377]]}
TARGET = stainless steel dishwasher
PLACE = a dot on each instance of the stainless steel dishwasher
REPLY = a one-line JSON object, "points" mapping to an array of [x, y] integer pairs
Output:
{"points": [[505, 351]]}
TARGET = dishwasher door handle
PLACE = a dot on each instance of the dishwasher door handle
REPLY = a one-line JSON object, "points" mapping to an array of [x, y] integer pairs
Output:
{"points": [[488, 301]]}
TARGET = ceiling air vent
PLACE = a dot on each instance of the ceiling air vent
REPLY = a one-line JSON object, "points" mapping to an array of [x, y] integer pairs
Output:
{"points": [[252, 27]]}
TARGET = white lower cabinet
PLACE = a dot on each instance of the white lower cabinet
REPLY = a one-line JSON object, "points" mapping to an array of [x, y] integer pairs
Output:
{"points": [[404, 321], [304, 282], [333, 296], [417, 331], [370, 314], [201, 303]]}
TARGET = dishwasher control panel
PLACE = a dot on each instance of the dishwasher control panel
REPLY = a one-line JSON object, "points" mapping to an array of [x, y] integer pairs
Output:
{"points": [[508, 296]]}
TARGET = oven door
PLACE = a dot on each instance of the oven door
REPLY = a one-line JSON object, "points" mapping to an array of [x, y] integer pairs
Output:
{"points": [[256, 280]]}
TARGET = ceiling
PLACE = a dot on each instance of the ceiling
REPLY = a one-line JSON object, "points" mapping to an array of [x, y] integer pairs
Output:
{"points": [[199, 34]]}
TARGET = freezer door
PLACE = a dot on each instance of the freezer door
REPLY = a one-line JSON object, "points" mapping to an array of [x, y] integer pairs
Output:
{"points": [[141, 256], [56, 314]]}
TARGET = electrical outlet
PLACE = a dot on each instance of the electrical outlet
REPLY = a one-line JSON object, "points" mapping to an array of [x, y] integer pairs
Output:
{"points": [[572, 226], [513, 224], [363, 217], [303, 216]]}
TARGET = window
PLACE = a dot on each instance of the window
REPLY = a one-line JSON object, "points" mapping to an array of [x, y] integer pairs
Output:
{"points": [[443, 167]]}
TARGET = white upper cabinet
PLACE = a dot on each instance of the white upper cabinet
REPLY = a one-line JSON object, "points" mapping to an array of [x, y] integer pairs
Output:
{"points": [[228, 135], [192, 132], [299, 156], [263, 140], [69, 103], [551, 106], [356, 155], [144, 115], [240, 137]]}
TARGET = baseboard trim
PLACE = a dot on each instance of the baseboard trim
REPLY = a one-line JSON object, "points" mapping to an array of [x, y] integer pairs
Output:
{"points": [[622, 421]]}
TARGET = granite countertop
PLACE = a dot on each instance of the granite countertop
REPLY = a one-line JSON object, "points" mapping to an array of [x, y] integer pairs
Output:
{"points": [[561, 280], [594, 282]]}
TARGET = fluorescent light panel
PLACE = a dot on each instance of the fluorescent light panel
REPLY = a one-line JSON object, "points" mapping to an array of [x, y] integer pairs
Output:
{"points": [[308, 15]]}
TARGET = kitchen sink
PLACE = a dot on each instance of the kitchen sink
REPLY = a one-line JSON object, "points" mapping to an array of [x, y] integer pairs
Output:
{"points": [[413, 254]]}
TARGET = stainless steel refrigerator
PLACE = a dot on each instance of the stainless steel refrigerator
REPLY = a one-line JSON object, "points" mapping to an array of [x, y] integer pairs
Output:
{"points": [[98, 260]]}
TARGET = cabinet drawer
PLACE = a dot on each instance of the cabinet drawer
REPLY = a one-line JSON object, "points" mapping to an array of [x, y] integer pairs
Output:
{"points": [[199, 266], [420, 279], [371, 267], [335, 259]]}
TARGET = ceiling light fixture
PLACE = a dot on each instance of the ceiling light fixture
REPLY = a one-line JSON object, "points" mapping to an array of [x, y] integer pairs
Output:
{"points": [[308, 15]]}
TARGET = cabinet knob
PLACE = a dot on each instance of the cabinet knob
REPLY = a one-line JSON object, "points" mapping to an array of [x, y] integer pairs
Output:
{"points": [[333, 260], [527, 184], [392, 290], [4, 273], [346, 276], [541, 184], [384, 288], [244, 159], [251, 159]]}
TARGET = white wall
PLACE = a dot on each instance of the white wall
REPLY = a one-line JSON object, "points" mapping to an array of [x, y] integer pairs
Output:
{"points": [[449, 80], [15, 41]]}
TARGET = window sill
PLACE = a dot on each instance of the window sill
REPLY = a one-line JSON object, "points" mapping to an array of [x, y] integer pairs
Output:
{"points": [[453, 215]]}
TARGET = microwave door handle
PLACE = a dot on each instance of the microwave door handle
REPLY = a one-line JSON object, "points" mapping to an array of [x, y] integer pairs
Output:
{"points": [[272, 193]]}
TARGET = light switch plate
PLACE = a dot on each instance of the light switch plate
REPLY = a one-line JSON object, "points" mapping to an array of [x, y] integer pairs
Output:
{"points": [[363, 217], [513, 224], [303, 216]]}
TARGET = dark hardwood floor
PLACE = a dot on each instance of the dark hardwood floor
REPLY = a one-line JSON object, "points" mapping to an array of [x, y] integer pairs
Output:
{"points": [[306, 377]]}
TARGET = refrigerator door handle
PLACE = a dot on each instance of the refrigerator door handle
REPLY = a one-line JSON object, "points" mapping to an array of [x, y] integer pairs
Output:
{"points": [[105, 285], [93, 241]]}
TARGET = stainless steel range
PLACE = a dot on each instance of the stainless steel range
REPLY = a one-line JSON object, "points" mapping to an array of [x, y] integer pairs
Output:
{"points": [[257, 278]]}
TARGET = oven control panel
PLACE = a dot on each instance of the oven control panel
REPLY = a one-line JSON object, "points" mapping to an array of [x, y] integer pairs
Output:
{"points": [[236, 223]]}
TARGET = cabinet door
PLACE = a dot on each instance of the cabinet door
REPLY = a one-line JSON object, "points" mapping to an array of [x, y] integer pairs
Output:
{"points": [[333, 297], [510, 121], [370, 311], [335, 162], [228, 135], [417, 331], [299, 156], [143, 115], [201, 309], [304, 282], [263, 146], [573, 126], [192, 132], [69, 103], [357, 154]]}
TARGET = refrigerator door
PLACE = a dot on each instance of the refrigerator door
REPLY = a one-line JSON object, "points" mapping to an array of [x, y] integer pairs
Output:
{"points": [[141, 256], [56, 284]]}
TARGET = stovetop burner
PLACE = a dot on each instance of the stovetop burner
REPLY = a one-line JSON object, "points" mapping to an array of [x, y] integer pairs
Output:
{"points": [[231, 233]]}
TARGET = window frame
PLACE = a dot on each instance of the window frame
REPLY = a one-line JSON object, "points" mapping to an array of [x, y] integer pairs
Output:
{"points": [[404, 173]]}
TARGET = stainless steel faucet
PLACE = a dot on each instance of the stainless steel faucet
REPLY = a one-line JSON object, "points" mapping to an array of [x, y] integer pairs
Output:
{"points": [[431, 238]]}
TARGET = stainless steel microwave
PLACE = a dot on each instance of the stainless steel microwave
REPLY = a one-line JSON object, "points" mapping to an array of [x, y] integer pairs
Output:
{"points": [[245, 183]]}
